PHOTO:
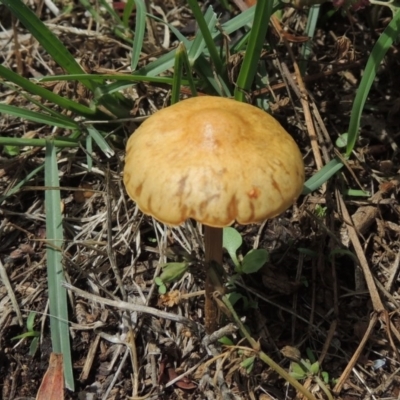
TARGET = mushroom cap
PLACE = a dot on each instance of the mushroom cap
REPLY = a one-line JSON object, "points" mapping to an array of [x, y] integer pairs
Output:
{"points": [[215, 160]]}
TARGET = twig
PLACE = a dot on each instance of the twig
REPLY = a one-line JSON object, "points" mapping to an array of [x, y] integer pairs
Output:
{"points": [[356, 355], [376, 300], [263, 356], [306, 108], [135, 307]]}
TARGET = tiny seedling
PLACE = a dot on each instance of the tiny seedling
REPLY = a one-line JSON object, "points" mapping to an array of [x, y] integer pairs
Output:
{"points": [[252, 261], [320, 211], [248, 364], [310, 368], [30, 333], [171, 272]]}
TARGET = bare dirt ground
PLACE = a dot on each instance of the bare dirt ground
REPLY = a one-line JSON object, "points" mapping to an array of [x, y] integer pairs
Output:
{"points": [[332, 281]]}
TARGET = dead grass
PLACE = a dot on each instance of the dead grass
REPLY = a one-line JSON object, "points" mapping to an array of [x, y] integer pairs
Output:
{"points": [[312, 295]]}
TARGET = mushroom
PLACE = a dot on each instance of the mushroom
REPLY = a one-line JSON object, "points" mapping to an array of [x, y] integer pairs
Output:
{"points": [[217, 161]]}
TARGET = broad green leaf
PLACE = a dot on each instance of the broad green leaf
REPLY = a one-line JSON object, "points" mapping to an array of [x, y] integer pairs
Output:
{"points": [[254, 260], [173, 271], [231, 241]]}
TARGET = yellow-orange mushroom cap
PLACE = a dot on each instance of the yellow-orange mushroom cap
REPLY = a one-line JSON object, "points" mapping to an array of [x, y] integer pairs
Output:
{"points": [[215, 160]]}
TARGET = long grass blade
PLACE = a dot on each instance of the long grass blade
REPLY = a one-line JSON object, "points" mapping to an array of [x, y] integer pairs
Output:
{"points": [[198, 45], [205, 31], [313, 15], [248, 70], [100, 141], [22, 142], [21, 183], [37, 90], [178, 67], [38, 117], [322, 176], [46, 38], [189, 71], [383, 44], [139, 32], [55, 276]]}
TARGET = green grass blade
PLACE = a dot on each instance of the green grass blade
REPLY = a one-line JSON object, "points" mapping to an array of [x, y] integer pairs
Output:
{"points": [[22, 142], [89, 152], [139, 32], [166, 61], [378, 52], [322, 176], [248, 70], [198, 45], [93, 12], [188, 69], [134, 78], [100, 141], [21, 183], [55, 276], [176, 85], [313, 15], [238, 22], [205, 31], [37, 90], [128, 10], [37, 117], [46, 38], [111, 11]]}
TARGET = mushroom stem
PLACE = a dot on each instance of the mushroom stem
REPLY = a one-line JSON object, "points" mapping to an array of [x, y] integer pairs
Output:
{"points": [[213, 250]]}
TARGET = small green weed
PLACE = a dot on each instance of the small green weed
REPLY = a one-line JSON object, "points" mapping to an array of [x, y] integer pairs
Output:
{"points": [[30, 333]]}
